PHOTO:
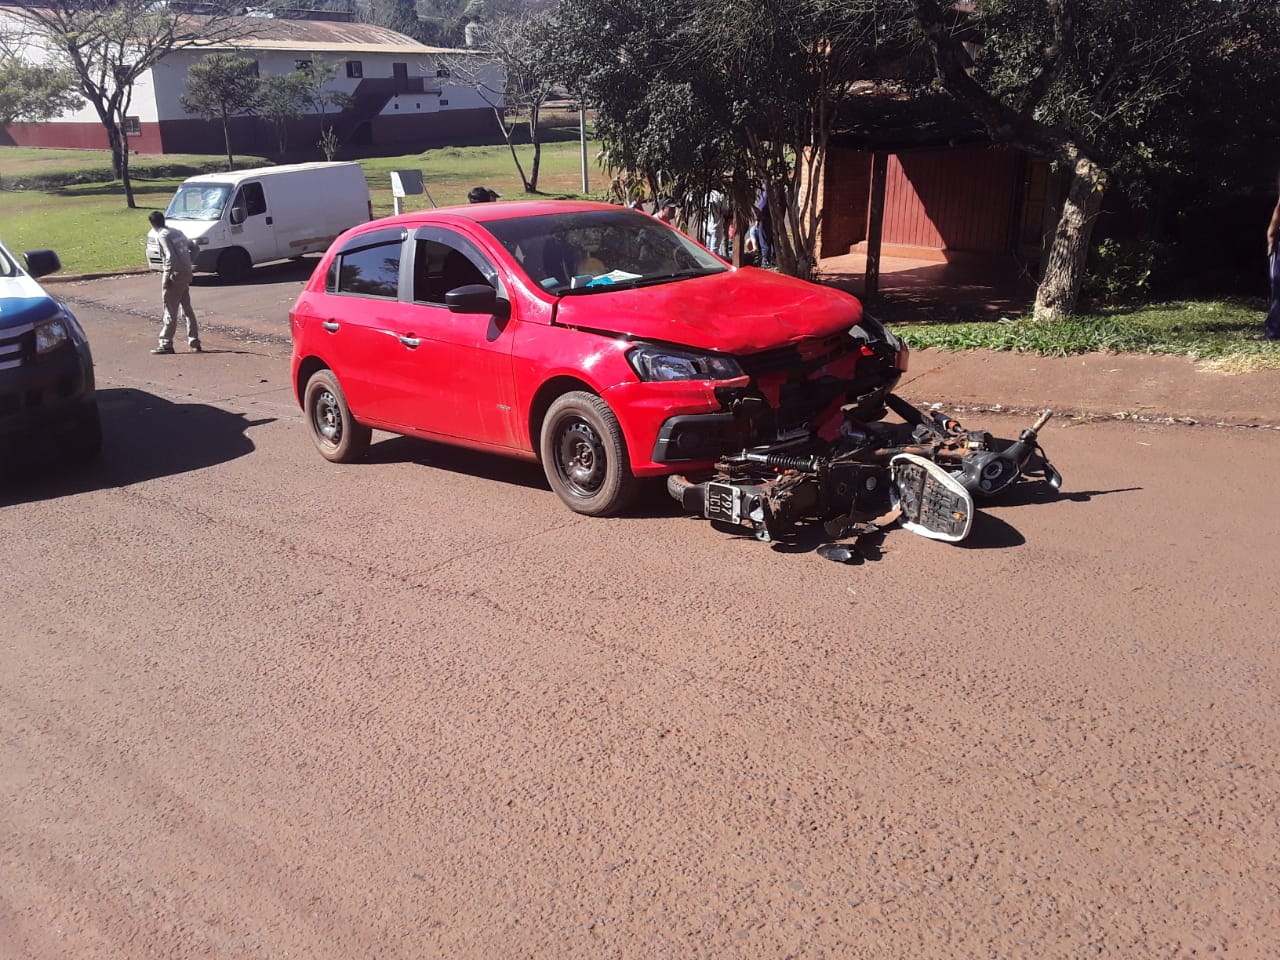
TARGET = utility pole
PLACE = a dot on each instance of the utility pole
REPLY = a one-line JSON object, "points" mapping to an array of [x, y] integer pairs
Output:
{"points": [[582, 137]]}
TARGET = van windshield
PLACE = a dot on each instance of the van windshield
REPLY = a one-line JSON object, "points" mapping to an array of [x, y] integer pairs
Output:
{"points": [[198, 201]]}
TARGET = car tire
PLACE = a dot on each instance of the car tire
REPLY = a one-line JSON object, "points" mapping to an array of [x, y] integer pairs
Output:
{"points": [[337, 434], [234, 265], [86, 441], [585, 457]]}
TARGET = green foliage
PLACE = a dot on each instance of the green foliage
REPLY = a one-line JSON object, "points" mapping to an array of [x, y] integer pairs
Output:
{"points": [[281, 98], [1142, 83], [34, 93], [221, 85], [1198, 329], [696, 95], [1126, 271]]}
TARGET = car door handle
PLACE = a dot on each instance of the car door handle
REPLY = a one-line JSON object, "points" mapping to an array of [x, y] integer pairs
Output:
{"points": [[330, 325], [411, 342]]}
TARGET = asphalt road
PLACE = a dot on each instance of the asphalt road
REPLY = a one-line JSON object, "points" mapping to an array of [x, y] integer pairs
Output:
{"points": [[253, 704]]}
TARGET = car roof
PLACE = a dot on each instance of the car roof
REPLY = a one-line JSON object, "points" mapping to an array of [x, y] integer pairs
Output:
{"points": [[482, 213]]}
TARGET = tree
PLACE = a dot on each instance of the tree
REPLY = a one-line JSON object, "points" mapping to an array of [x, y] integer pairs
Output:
{"points": [[281, 98], [510, 71], [313, 81], [698, 95], [110, 45], [219, 87], [34, 93], [1095, 87]]}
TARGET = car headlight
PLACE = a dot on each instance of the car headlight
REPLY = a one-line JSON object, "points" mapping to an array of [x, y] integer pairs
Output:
{"points": [[52, 332], [655, 363]]}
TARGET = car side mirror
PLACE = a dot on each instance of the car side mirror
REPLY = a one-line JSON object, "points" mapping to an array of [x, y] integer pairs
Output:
{"points": [[238, 215], [41, 262], [472, 298]]}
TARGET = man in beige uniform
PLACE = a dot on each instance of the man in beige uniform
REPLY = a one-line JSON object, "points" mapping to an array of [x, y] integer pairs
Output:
{"points": [[176, 252]]}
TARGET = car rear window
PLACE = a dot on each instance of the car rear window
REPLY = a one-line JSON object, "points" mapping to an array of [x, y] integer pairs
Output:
{"points": [[368, 266]]}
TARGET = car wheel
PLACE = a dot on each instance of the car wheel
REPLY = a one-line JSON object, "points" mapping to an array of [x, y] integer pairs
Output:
{"points": [[234, 265], [86, 442], [337, 435], [585, 456]]}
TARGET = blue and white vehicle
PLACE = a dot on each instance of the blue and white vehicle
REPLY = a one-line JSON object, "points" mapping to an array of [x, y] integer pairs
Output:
{"points": [[48, 403]]}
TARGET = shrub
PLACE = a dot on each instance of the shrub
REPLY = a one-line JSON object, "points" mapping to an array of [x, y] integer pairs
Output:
{"points": [[1126, 271]]}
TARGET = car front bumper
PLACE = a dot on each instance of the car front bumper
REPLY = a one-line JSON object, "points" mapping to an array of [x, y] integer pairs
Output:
{"points": [[45, 399]]}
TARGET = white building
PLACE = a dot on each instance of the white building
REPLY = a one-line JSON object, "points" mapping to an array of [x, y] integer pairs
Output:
{"points": [[399, 90]]}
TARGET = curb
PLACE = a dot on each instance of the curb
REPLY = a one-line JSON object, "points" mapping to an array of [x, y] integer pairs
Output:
{"points": [[106, 275]]}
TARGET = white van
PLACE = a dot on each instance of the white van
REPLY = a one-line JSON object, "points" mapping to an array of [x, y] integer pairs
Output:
{"points": [[272, 213]]}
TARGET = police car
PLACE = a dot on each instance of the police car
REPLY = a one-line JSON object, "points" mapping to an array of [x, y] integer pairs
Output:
{"points": [[47, 400]]}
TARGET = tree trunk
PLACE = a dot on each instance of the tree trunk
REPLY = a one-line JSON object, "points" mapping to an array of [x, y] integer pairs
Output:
{"points": [[537, 150], [117, 154], [506, 135], [124, 172], [1060, 287]]}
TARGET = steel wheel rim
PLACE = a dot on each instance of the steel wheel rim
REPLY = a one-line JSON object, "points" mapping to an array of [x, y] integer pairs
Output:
{"points": [[327, 418], [581, 460]]}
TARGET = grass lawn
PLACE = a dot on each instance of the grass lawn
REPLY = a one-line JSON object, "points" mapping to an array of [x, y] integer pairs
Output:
{"points": [[1222, 333], [93, 231]]}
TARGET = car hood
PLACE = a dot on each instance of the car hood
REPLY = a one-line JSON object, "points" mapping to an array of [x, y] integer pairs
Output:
{"points": [[740, 311], [23, 301]]}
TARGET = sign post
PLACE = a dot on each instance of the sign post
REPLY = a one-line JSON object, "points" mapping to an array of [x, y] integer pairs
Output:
{"points": [[405, 183]]}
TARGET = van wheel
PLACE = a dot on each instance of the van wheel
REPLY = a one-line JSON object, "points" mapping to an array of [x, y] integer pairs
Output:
{"points": [[234, 265], [337, 435], [585, 455]]}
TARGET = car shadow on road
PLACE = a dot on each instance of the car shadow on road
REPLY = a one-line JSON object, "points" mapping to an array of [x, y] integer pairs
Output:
{"points": [[652, 501], [144, 437], [473, 463]]}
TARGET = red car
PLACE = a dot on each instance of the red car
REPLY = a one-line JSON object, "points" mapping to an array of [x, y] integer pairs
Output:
{"points": [[590, 337]]}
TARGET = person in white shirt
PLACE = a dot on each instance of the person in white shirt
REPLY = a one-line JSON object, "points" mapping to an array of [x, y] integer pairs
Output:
{"points": [[176, 253]]}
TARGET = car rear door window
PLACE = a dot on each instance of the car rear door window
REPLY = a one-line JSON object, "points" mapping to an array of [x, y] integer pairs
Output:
{"points": [[368, 266]]}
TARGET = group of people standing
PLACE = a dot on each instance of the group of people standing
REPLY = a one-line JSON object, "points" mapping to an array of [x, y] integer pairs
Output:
{"points": [[717, 226]]}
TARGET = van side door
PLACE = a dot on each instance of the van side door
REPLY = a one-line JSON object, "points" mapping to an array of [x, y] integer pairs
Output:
{"points": [[251, 223]]}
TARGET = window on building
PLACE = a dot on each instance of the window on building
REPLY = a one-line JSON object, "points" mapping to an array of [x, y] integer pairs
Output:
{"points": [[442, 72], [132, 126], [255, 68], [355, 69], [444, 102], [400, 75], [302, 64]]}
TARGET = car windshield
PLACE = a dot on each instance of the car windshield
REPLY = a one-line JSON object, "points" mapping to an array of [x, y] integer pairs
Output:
{"points": [[198, 201], [8, 266], [596, 251]]}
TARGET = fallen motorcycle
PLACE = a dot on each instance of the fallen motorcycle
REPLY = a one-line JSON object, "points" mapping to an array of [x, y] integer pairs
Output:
{"points": [[924, 473]]}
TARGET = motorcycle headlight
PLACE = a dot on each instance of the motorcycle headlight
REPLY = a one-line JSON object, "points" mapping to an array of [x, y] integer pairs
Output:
{"points": [[52, 332], [652, 363]]}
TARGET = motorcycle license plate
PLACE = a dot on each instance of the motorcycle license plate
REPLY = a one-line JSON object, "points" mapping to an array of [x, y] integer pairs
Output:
{"points": [[723, 502]]}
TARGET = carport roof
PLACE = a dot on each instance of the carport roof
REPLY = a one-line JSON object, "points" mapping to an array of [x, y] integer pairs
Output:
{"points": [[885, 120]]}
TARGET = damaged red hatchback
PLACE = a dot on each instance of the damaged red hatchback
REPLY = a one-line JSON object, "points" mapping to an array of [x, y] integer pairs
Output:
{"points": [[592, 338]]}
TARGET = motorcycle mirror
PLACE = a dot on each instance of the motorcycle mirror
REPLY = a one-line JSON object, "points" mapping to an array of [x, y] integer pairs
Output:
{"points": [[1052, 475]]}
